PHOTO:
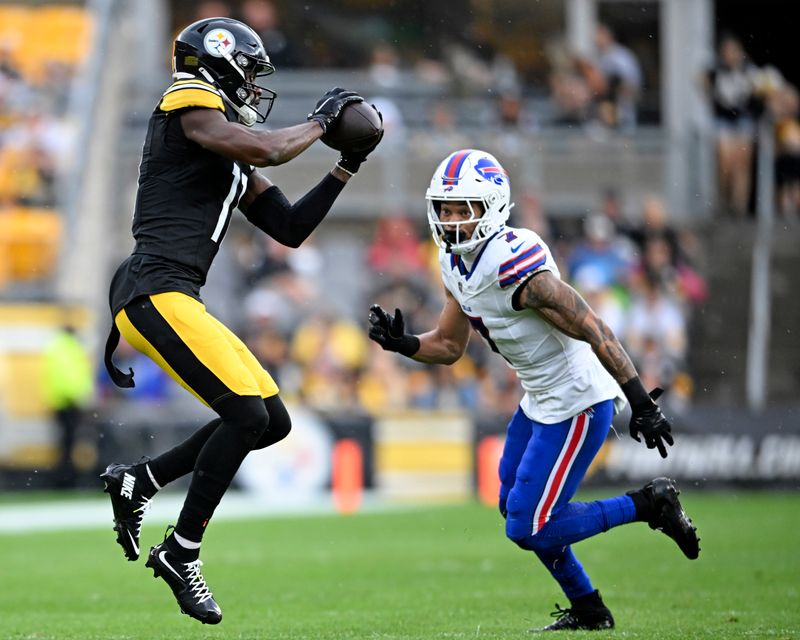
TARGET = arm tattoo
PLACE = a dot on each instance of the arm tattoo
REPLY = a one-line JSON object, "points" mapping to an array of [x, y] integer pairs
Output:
{"points": [[564, 308]]}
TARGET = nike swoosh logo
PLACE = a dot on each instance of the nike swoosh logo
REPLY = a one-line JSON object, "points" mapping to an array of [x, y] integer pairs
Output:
{"points": [[161, 556], [133, 542], [322, 105], [515, 249]]}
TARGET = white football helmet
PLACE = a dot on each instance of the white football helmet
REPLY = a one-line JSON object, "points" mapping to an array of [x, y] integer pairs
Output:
{"points": [[470, 176]]}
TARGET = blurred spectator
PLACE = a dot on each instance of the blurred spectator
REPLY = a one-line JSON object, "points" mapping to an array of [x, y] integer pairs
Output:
{"points": [[529, 213], [656, 336], [212, 9], [285, 293], [663, 257], [442, 131], [574, 83], [332, 352], [383, 383], [600, 252], [271, 349], [605, 301], [263, 17], [785, 107], [477, 63], [396, 249], [384, 66], [731, 87], [623, 80], [67, 387], [510, 121], [611, 208], [654, 226]]}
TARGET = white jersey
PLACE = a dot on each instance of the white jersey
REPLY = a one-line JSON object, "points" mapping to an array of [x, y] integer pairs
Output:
{"points": [[561, 376]]}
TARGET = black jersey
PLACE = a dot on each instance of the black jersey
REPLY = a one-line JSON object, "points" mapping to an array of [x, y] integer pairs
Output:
{"points": [[184, 201]]}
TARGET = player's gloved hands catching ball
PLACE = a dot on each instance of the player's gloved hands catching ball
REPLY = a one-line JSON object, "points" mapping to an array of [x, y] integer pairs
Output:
{"points": [[389, 331], [648, 421], [329, 106], [351, 161]]}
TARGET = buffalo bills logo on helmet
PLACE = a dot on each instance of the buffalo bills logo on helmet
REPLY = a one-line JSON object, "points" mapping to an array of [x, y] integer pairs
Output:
{"points": [[491, 171]]}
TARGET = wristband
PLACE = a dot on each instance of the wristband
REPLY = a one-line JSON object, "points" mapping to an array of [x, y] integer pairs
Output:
{"points": [[347, 171], [635, 393], [408, 346]]}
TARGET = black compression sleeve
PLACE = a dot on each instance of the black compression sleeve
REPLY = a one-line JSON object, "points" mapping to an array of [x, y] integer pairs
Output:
{"points": [[290, 224]]}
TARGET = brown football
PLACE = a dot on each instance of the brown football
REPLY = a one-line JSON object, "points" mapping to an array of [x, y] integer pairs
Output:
{"points": [[356, 129]]}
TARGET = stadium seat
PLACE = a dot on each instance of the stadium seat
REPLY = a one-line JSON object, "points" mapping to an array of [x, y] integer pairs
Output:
{"points": [[41, 36], [29, 241]]}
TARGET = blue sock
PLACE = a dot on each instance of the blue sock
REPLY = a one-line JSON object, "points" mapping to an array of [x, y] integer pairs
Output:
{"points": [[568, 572], [580, 520]]}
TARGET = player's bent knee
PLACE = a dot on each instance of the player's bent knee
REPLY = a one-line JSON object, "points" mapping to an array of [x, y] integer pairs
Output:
{"points": [[280, 424], [247, 414], [520, 533]]}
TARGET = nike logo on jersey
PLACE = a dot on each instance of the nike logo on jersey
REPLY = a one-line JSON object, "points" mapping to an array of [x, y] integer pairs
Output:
{"points": [[515, 249], [128, 481]]}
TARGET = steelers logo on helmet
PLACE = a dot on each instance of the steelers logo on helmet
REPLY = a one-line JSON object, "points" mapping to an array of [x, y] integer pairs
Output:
{"points": [[219, 42]]}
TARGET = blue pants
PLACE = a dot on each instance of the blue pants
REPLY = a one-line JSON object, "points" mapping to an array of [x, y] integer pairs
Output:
{"points": [[540, 470]]}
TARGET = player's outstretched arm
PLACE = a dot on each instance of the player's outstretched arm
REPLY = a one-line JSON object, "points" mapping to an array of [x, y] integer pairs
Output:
{"points": [[443, 345], [565, 309], [262, 148]]}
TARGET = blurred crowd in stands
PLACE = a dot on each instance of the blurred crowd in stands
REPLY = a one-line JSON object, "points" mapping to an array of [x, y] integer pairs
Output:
{"points": [[41, 48]]}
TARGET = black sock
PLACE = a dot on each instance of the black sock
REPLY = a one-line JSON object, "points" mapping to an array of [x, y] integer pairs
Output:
{"points": [[143, 480], [181, 553], [180, 460], [643, 506], [589, 601]]}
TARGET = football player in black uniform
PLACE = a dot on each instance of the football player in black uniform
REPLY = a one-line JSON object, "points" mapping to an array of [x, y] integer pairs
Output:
{"points": [[198, 164]]}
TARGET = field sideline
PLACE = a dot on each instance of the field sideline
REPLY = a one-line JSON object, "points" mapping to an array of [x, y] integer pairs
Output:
{"points": [[433, 572]]}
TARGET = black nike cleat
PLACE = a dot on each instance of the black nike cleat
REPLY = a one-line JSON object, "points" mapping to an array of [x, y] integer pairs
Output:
{"points": [[129, 504], [669, 516], [187, 584], [580, 618]]}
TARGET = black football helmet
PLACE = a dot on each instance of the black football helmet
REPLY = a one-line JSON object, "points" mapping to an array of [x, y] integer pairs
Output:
{"points": [[230, 55]]}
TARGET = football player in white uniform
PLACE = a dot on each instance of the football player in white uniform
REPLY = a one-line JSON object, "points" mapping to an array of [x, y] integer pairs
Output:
{"points": [[503, 283]]}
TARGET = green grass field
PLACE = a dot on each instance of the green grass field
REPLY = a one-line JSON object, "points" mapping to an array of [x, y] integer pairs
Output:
{"points": [[434, 572]]}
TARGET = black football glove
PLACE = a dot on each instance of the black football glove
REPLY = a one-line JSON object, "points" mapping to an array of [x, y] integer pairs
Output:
{"points": [[351, 161], [648, 421], [389, 331], [329, 106]]}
